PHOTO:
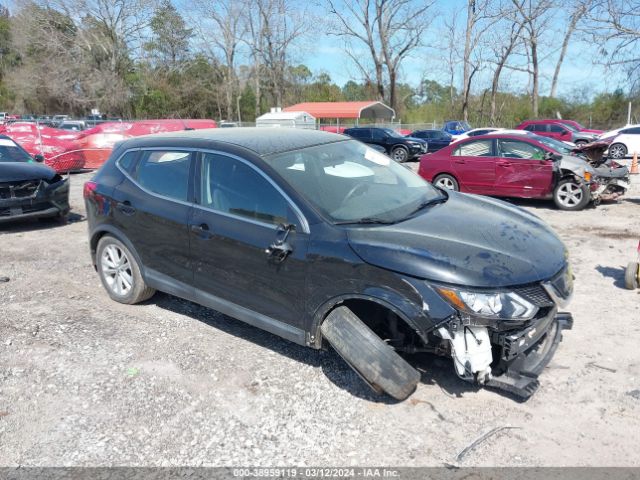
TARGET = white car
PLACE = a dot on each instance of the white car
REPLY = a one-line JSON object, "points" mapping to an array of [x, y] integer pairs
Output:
{"points": [[624, 141], [475, 132]]}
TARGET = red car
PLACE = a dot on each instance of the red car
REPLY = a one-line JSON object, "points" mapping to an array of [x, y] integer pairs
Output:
{"points": [[508, 165], [559, 130], [579, 127]]}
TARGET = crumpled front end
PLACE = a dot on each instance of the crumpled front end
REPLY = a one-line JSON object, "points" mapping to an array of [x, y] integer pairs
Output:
{"points": [[34, 198], [509, 354]]}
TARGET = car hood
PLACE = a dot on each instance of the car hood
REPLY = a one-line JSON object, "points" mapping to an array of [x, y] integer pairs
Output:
{"points": [[18, 171], [468, 240]]}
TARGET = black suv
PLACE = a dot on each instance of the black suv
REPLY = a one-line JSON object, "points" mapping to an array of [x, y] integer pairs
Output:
{"points": [[323, 240], [398, 147]]}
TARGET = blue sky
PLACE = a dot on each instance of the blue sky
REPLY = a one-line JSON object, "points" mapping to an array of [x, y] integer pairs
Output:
{"points": [[580, 70]]}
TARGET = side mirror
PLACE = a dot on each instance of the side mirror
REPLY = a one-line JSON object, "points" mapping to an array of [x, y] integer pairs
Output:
{"points": [[38, 157], [552, 156]]}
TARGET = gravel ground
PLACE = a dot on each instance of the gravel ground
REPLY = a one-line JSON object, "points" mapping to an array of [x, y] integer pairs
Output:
{"points": [[86, 381]]}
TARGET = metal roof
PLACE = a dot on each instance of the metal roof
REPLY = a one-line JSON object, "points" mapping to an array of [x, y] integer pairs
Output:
{"points": [[369, 109]]}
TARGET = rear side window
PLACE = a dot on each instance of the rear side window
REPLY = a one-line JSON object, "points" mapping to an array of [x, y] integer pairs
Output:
{"points": [[478, 148], [128, 162], [631, 131], [231, 186], [359, 133], [535, 127], [164, 172]]}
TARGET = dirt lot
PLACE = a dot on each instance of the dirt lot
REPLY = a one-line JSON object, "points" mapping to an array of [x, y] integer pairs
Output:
{"points": [[86, 381]]}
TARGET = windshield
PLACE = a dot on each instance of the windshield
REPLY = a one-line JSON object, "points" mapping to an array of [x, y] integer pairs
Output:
{"points": [[10, 152], [554, 144], [349, 182]]}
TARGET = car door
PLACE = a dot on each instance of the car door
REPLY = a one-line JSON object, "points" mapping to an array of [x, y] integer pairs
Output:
{"points": [[522, 170], [152, 209], [474, 164], [234, 226], [630, 137], [559, 132], [379, 137]]}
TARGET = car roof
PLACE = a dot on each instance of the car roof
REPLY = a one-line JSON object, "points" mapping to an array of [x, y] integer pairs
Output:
{"points": [[262, 141]]}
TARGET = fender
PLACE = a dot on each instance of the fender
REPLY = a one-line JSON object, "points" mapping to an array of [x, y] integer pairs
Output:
{"points": [[423, 314]]}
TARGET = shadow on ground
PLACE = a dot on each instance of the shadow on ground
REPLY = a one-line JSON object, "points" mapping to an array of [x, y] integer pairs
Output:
{"points": [[435, 371], [34, 224], [617, 274]]}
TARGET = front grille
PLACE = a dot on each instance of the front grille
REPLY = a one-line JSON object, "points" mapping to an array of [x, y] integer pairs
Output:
{"points": [[536, 295], [18, 189]]}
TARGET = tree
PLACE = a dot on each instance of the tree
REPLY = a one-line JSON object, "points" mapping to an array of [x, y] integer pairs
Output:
{"points": [[169, 45], [580, 9], [390, 30], [534, 15]]}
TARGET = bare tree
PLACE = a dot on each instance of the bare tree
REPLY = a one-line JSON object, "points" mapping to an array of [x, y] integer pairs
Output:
{"points": [[391, 31], [534, 15], [615, 25], [222, 26], [481, 17], [580, 9]]}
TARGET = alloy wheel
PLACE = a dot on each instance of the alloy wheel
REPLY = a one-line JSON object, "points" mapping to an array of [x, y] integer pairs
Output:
{"points": [[116, 270], [617, 151], [570, 194], [445, 182]]}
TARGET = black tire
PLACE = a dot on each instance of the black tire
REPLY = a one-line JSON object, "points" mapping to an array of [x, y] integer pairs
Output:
{"points": [[375, 361], [400, 154], [617, 151], [138, 290], [444, 180], [631, 275], [571, 194]]}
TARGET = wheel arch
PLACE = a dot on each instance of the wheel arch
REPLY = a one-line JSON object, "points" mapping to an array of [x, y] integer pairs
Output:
{"points": [[103, 230], [325, 309]]}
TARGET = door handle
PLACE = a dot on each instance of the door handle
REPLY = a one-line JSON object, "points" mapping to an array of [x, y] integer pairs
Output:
{"points": [[459, 161], [126, 208], [201, 230]]}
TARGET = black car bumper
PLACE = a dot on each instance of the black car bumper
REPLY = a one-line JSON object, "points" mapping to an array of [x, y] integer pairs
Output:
{"points": [[33, 199], [525, 353]]}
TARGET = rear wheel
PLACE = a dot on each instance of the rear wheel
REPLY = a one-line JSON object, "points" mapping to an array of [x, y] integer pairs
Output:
{"points": [[617, 151], [447, 182], [120, 273], [376, 362], [631, 275], [571, 194]]}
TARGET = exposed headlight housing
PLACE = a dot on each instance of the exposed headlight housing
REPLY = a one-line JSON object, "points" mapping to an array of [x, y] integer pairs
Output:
{"points": [[489, 305]]}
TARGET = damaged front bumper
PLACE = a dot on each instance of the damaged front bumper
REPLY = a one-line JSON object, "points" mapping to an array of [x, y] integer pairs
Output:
{"points": [[524, 354], [34, 199]]}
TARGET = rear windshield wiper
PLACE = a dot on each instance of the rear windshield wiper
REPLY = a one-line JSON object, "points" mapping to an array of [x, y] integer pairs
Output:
{"points": [[365, 221]]}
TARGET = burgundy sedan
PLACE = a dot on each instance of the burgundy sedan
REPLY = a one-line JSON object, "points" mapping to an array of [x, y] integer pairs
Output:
{"points": [[505, 165]]}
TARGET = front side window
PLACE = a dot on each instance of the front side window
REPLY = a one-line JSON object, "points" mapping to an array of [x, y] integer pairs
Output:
{"points": [[523, 150], [231, 186], [378, 135], [350, 182], [478, 148], [165, 173], [554, 128]]}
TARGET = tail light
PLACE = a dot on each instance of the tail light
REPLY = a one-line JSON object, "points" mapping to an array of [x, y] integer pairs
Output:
{"points": [[89, 189]]}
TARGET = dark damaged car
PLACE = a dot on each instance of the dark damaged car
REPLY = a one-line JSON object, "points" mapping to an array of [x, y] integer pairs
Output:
{"points": [[324, 241], [29, 189]]}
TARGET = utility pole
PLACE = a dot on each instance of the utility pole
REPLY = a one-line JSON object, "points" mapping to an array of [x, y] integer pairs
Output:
{"points": [[629, 115]]}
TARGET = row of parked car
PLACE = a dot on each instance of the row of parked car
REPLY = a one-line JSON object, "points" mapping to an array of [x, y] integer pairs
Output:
{"points": [[540, 159]]}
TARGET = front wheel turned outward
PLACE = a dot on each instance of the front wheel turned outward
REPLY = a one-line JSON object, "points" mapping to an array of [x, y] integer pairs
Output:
{"points": [[120, 273], [376, 362], [571, 194]]}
